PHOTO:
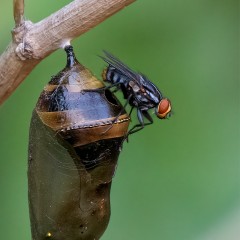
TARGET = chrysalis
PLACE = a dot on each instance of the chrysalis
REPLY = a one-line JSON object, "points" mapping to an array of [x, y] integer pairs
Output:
{"points": [[72, 158]]}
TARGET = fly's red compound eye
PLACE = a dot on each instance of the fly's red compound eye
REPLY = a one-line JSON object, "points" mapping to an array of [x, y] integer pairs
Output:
{"points": [[163, 108]]}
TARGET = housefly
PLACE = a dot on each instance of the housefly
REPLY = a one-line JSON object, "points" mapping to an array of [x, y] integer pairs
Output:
{"points": [[138, 90]]}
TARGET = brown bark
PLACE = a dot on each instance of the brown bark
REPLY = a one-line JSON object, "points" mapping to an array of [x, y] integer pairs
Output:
{"points": [[33, 42], [18, 11]]}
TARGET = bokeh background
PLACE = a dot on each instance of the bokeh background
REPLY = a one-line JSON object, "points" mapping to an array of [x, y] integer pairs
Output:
{"points": [[177, 179]]}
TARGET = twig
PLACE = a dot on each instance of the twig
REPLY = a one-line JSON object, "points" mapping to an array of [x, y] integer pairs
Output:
{"points": [[18, 12], [33, 42]]}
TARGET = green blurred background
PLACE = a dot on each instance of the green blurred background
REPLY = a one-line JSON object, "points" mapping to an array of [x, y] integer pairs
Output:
{"points": [[177, 179]]}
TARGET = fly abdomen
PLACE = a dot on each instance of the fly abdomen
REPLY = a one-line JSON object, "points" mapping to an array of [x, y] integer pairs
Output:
{"points": [[113, 76]]}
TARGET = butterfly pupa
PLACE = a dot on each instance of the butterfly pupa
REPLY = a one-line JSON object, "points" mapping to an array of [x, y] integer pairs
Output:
{"points": [[72, 158]]}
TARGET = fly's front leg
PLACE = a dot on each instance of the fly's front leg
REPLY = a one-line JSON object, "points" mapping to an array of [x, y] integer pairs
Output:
{"points": [[148, 117], [138, 127]]}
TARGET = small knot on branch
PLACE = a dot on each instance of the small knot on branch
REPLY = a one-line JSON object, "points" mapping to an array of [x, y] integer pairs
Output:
{"points": [[23, 50]]}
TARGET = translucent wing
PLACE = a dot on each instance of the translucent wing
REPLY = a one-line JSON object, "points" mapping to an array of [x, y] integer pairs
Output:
{"points": [[121, 67]]}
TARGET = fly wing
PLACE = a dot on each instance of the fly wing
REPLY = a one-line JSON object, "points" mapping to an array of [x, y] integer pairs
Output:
{"points": [[148, 84], [121, 67]]}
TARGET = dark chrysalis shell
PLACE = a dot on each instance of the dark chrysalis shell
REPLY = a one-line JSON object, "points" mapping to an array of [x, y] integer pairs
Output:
{"points": [[73, 155]]}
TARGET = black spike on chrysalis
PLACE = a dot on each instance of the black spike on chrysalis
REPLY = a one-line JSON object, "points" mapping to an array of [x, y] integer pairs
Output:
{"points": [[72, 158]]}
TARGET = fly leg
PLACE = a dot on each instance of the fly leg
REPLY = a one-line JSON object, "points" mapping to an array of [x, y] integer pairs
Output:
{"points": [[116, 118], [117, 85], [140, 113], [126, 136], [131, 111]]}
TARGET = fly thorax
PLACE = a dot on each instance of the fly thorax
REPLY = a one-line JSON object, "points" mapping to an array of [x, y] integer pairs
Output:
{"points": [[134, 86]]}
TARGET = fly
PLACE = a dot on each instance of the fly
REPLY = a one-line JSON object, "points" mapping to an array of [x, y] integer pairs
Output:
{"points": [[138, 90]]}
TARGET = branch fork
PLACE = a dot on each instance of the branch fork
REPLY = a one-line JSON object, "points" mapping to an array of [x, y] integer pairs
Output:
{"points": [[32, 42], [23, 49]]}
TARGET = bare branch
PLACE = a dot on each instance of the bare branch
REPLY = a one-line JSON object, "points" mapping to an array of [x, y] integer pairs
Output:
{"points": [[18, 11], [33, 42]]}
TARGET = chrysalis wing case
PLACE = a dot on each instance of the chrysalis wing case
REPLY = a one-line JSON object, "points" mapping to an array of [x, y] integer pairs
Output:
{"points": [[72, 158]]}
